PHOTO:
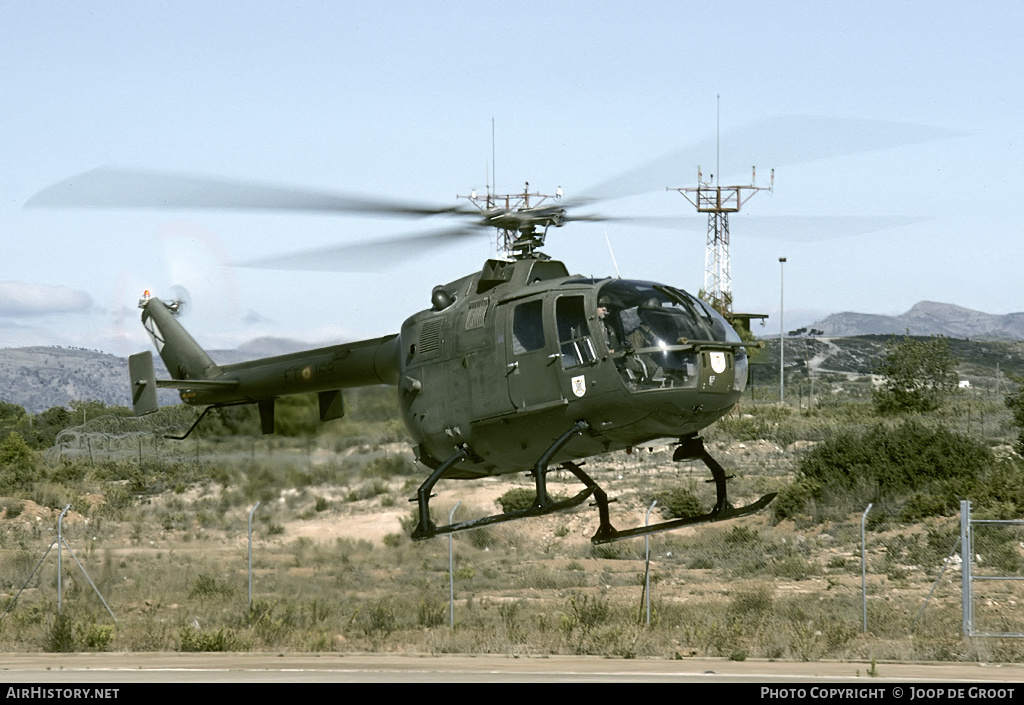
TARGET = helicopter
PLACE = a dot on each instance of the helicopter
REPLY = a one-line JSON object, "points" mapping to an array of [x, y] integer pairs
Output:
{"points": [[518, 367]]}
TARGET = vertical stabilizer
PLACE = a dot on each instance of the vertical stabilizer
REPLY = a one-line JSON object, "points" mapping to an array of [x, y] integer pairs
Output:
{"points": [[179, 351], [140, 369]]}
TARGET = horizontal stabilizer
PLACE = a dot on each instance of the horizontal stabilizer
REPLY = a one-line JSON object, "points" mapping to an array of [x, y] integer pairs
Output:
{"points": [[197, 384]]}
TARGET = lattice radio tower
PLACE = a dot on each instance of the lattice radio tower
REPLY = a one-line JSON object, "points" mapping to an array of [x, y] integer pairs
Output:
{"points": [[718, 202]]}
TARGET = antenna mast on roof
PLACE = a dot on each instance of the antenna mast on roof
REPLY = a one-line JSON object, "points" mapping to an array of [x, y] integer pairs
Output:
{"points": [[508, 201]]}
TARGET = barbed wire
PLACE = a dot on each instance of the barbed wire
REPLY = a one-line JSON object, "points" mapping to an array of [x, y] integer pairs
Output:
{"points": [[112, 437]]}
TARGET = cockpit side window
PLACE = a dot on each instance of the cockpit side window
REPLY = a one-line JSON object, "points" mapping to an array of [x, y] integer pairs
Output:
{"points": [[574, 341], [528, 327]]}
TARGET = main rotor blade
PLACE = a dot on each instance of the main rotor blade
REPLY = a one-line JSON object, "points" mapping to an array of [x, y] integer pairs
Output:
{"points": [[790, 228], [686, 222], [369, 256], [127, 188], [811, 228], [769, 144]]}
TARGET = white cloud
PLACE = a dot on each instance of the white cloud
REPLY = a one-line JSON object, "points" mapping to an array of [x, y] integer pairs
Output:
{"points": [[20, 299]]}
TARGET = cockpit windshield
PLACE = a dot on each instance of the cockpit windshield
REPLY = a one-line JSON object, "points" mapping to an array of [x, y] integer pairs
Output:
{"points": [[642, 320]]}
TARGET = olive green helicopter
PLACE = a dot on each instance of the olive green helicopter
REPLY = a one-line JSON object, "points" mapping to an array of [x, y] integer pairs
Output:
{"points": [[518, 367]]}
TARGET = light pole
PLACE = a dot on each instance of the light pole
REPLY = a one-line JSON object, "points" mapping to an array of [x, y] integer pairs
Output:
{"points": [[782, 330]]}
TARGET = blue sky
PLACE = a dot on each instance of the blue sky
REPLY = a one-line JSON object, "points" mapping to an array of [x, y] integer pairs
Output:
{"points": [[396, 100]]}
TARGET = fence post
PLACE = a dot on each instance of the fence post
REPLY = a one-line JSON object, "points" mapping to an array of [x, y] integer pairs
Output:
{"points": [[251, 512], [60, 528], [647, 563], [864, 566], [966, 550], [451, 574]]}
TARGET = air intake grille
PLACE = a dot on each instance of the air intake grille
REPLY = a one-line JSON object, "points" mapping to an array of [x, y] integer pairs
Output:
{"points": [[430, 336]]}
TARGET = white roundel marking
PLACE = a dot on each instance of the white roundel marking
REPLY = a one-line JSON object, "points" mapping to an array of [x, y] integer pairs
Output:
{"points": [[579, 385], [718, 362]]}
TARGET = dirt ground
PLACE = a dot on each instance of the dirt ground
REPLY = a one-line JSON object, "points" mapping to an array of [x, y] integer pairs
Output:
{"points": [[369, 521]]}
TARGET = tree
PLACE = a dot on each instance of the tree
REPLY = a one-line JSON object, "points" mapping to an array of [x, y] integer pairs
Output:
{"points": [[84, 410], [48, 425], [17, 462], [1015, 402], [12, 417], [11, 414], [919, 374]]}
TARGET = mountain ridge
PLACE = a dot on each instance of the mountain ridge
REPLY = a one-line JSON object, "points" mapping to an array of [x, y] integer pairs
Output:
{"points": [[926, 318], [39, 378]]}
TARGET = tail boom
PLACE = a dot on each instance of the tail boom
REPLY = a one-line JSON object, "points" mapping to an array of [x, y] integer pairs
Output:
{"points": [[362, 364], [202, 382]]}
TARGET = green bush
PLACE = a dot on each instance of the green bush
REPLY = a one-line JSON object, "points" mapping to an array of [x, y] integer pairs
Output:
{"points": [[61, 637], [379, 620], [18, 467], [516, 499], [752, 602], [194, 639], [918, 375], [68, 633], [795, 499], [678, 502], [914, 470], [999, 494], [388, 466], [431, 612], [740, 535], [13, 506], [1015, 403], [520, 498], [773, 423], [586, 613], [206, 587]]}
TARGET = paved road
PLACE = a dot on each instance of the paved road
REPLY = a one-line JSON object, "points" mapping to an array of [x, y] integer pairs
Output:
{"points": [[99, 668]]}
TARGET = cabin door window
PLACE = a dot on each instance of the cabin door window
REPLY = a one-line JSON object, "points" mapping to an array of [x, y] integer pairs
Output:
{"points": [[574, 341]]}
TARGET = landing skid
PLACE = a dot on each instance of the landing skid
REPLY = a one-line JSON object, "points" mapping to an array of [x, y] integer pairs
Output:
{"points": [[712, 516], [542, 503], [689, 449]]}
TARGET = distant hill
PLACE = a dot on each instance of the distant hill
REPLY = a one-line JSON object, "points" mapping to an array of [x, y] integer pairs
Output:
{"points": [[927, 318], [40, 378], [257, 348]]}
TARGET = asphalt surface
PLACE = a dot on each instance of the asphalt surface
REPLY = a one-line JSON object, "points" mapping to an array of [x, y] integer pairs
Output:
{"points": [[139, 668]]}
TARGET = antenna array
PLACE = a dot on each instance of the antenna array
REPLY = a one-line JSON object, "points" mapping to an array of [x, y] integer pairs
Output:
{"points": [[718, 202]]}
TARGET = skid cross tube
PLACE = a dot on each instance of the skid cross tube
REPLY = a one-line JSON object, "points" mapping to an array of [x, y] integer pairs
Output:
{"points": [[542, 502], [202, 416]]}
